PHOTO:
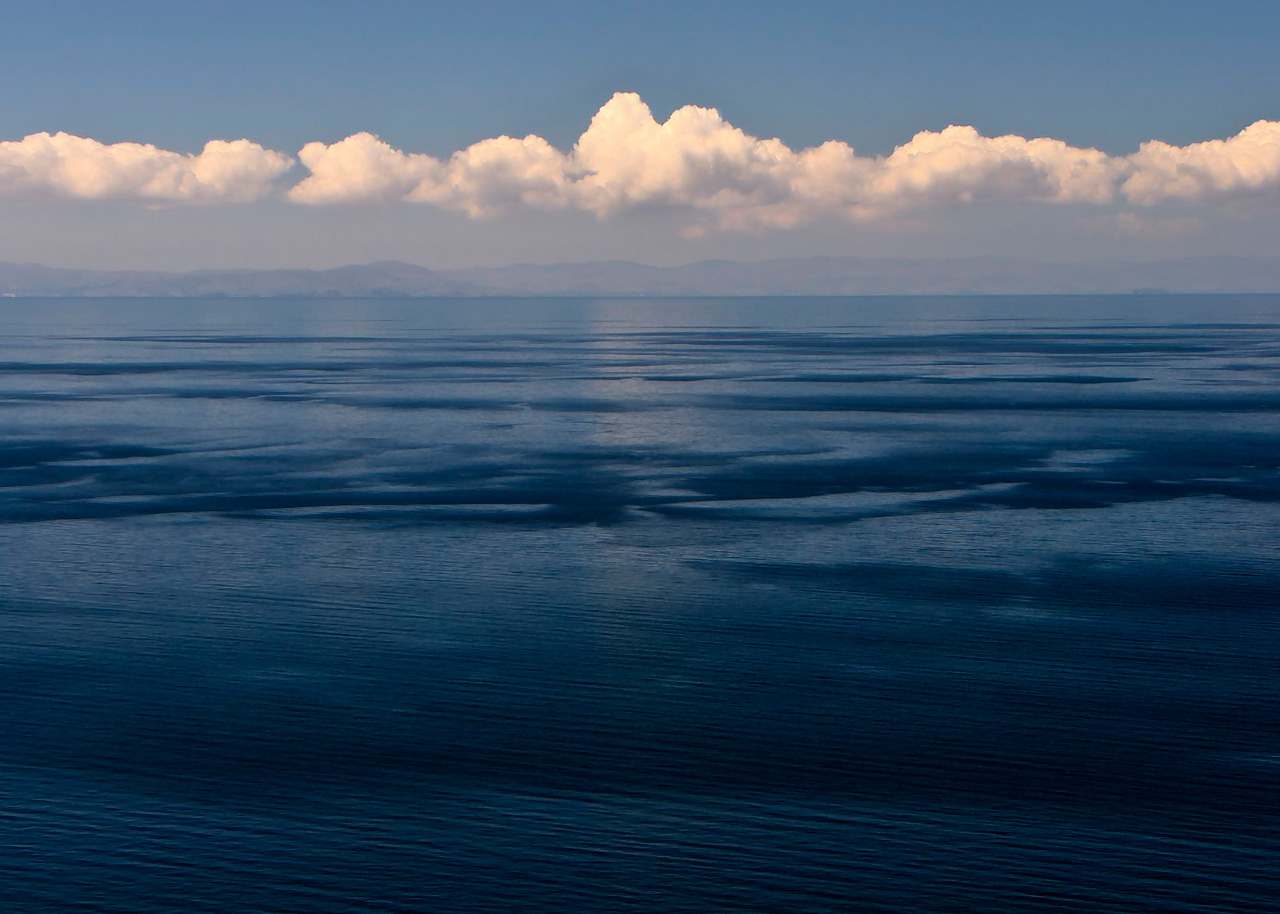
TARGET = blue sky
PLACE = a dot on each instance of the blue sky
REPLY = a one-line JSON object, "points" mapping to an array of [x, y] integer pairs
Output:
{"points": [[434, 78]]}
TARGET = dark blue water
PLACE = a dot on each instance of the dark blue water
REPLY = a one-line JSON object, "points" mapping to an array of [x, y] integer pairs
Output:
{"points": [[920, 605]]}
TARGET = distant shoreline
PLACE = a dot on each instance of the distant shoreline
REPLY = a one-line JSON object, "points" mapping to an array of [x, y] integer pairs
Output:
{"points": [[625, 296], [815, 277]]}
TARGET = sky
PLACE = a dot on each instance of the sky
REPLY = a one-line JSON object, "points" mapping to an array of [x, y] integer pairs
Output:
{"points": [[186, 135]]}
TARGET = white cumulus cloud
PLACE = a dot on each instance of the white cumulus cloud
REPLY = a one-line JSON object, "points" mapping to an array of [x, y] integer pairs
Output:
{"points": [[694, 160], [699, 161], [961, 164], [63, 165], [1247, 162], [360, 168], [493, 176], [486, 178]]}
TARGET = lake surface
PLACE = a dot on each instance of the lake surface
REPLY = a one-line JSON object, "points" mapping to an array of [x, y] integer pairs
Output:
{"points": [[919, 605]]}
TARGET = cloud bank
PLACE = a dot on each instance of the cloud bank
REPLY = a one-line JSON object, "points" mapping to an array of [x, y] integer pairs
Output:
{"points": [[627, 159], [62, 165], [697, 160], [1248, 162]]}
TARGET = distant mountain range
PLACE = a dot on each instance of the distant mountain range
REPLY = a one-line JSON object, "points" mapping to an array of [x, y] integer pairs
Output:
{"points": [[792, 276], [387, 279]]}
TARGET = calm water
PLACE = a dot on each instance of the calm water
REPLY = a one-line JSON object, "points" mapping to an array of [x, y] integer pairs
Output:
{"points": [[919, 605]]}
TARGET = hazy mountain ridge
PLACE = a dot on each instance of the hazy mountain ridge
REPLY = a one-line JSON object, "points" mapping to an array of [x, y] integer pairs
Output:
{"points": [[787, 276], [385, 279], [885, 276]]}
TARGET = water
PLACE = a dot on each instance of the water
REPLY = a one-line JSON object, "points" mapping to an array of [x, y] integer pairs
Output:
{"points": [[793, 605]]}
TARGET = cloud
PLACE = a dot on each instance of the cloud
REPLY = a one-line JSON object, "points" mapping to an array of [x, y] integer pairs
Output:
{"points": [[484, 179], [698, 160], [695, 161], [496, 175], [1247, 162], [959, 164], [695, 158], [360, 168], [63, 165]]}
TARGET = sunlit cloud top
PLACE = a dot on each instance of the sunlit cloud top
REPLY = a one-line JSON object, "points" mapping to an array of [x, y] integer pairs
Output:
{"points": [[62, 165], [695, 160]]}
